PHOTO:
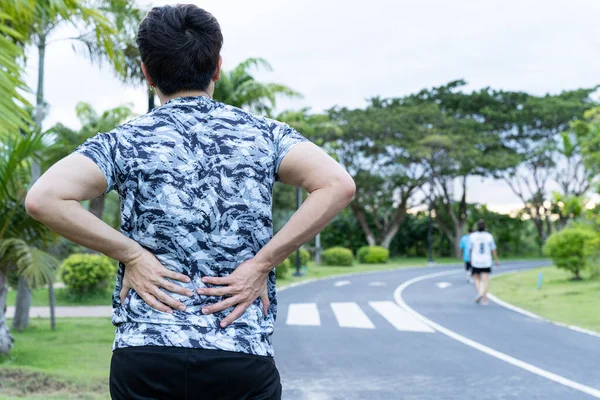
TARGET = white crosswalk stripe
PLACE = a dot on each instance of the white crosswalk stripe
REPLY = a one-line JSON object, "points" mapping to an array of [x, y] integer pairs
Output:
{"points": [[400, 319], [303, 314], [350, 315]]}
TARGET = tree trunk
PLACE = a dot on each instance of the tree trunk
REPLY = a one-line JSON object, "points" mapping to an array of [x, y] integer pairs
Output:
{"points": [[21, 320], [23, 293], [52, 300], [539, 226], [393, 227], [97, 206], [6, 340], [458, 234], [360, 215]]}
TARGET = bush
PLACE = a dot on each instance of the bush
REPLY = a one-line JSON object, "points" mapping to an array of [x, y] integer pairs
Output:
{"points": [[283, 269], [87, 273], [572, 249], [373, 255], [339, 256], [304, 258]]}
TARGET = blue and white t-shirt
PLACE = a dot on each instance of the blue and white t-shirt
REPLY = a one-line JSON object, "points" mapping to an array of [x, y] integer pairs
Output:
{"points": [[195, 178], [482, 244]]}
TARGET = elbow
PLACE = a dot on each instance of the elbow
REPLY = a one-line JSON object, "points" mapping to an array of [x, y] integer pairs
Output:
{"points": [[34, 204], [347, 188]]}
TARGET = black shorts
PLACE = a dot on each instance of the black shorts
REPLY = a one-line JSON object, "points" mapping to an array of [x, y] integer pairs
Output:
{"points": [[467, 265], [477, 271], [177, 373]]}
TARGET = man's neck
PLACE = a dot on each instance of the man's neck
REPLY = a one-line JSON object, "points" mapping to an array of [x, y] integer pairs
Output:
{"points": [[189, 93]]}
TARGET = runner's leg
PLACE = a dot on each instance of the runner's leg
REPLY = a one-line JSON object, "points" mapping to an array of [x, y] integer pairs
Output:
{"points": [[476, 278], [484, 285]]}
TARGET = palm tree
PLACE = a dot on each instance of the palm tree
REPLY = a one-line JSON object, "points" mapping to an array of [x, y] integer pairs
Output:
{"points": [[12, 114], [96, 21], [20, 235], [240, 89]]}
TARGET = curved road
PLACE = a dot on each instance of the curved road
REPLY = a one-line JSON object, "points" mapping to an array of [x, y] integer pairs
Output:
{"points": [[417, 334]]}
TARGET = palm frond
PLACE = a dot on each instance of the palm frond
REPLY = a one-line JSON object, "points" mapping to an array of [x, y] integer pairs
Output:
{"points": [[32, 263]]}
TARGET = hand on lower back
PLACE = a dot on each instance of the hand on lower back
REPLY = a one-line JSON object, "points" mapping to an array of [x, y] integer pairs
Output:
{"points": [[244, 285], [147, 276]]}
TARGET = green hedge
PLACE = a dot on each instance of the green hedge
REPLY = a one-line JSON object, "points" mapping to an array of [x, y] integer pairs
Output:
{"points": [[283, 269], [373, 255], [573, 249], [86, 273], [338, 256], [304, 258]]}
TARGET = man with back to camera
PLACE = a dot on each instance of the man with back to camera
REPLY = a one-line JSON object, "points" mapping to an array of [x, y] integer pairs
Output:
{"points": [[483, 248], [195, 303], [466, 253]]}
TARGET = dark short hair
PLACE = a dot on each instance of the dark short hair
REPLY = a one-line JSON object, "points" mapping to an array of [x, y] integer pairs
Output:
{"points": [[180, 46], [481, 225]]}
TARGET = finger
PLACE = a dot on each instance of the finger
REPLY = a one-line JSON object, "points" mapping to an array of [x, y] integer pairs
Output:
{"points": [[168, 300], [235, 314], [215, 280], [220, 291], [171, 287], [167, 273], [152, 302], [266, 303], [220, 306]]}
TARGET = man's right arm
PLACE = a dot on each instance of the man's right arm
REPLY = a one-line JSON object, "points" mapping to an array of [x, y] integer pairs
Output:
{"points": [[330, 190]]}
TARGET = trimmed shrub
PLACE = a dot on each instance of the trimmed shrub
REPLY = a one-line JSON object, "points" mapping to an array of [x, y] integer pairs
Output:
{"points": [[283, 269], [573, 249], [304, 258], [87, 273], [373, 255], [338, 256]]}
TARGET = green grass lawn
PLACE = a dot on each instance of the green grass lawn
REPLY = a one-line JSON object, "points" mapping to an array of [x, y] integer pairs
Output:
{"points": [[560, 298], [74, 360], [39, 297]]}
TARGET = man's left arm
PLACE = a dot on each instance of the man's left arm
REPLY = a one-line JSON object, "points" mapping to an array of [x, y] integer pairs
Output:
{"points": [[55, 200]]}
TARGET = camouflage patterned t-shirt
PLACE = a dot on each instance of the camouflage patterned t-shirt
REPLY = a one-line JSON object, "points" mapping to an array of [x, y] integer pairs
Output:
{"points": [[195, 178]]}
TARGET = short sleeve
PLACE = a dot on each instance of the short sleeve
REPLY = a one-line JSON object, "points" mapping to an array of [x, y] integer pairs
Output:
{"points": [[284, 139], [492, 243], [100, 149]]}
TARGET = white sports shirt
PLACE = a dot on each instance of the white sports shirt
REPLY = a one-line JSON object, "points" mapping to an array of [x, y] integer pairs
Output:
{"points": [[481, 244]]}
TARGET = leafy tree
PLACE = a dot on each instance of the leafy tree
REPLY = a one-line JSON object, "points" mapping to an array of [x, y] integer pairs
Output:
{"points": [[376, 149], [21, 237], [97, 37], [532, 127], [240, 89], [573, 249], [460, 146], [587, 136], [12, 112]]}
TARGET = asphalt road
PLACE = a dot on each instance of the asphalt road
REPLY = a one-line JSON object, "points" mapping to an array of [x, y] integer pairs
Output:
{"points": [[409, 334]]}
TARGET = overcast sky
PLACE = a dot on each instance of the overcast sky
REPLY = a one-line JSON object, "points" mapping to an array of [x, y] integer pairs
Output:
{"points": [[341, 52]]}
